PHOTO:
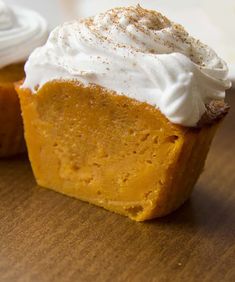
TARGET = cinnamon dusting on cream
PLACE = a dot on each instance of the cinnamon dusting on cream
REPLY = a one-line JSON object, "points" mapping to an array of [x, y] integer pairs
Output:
{"points": [[137, 53]]}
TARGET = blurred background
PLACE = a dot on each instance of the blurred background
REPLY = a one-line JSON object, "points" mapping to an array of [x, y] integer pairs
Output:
{"points": [[212, 21]]}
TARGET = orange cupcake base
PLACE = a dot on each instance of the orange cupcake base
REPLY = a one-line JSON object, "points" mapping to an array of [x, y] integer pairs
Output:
{"points": [[110, 150]]}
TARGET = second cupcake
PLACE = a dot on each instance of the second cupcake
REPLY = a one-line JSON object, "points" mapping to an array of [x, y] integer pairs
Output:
{"points": [[21, 31]]}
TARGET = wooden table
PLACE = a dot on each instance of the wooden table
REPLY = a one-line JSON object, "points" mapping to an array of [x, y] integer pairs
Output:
{"points": [[45, 236]]}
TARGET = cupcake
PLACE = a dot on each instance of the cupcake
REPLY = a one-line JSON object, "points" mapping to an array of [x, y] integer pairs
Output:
{"points": [[21, 31], [120, 110]]}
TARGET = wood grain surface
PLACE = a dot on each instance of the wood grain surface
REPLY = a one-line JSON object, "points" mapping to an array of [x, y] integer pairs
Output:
{"points": [[45, 236]]}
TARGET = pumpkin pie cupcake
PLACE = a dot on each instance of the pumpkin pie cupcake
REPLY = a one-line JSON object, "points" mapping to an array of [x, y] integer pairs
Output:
{"points": [[21, 31], [120, 110]]}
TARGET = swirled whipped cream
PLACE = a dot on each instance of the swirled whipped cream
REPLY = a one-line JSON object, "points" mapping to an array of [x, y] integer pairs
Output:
{"points": [[137, 53], [21, 31]]}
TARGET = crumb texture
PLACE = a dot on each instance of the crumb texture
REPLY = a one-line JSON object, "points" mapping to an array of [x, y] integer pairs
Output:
{"points": [[111, 150]]}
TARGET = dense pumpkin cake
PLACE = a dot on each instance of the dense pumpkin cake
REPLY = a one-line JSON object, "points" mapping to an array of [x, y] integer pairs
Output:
{"points": [[17, 39], [120, 110]]}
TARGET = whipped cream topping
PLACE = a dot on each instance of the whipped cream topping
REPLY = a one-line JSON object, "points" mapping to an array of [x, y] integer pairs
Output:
{"points": [[137, 53], [21, 31]]}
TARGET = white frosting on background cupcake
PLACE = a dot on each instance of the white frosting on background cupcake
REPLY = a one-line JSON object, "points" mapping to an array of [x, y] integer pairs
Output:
{"points": [[137, 53], [21, 31]]}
